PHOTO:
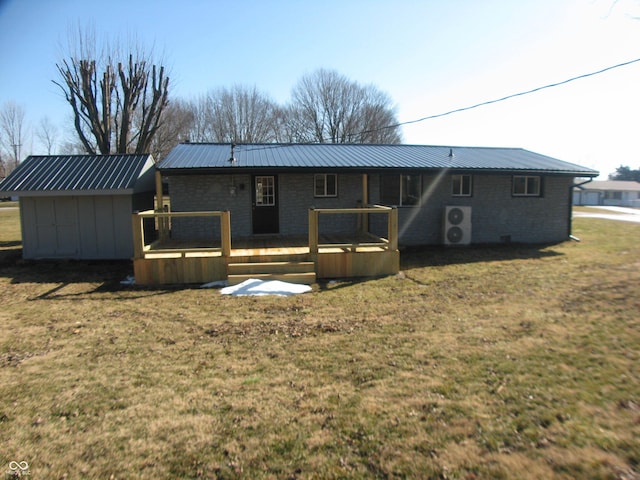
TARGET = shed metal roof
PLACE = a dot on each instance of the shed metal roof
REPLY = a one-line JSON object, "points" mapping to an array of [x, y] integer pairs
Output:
{"points": [[194, 157], [88, 174]]}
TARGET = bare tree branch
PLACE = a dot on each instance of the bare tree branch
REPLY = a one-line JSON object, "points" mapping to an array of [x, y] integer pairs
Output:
{"points": [[47, 133], [328, 108], [12, 134], [117, 105]]}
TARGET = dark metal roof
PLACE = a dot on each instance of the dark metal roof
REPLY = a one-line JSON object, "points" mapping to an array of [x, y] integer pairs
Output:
{"points": [[214, 156], [81, 173]]}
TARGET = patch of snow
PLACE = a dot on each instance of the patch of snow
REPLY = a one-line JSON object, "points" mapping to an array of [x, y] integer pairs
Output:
{"points": [[254, 286]]}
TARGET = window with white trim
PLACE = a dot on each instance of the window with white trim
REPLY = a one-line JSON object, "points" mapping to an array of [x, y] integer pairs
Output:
{"points": [[325, 185], [461, 185], [526, 186]]}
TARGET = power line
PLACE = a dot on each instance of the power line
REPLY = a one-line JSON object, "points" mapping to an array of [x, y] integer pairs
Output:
{"points": [[502, 99], [488, 102]]}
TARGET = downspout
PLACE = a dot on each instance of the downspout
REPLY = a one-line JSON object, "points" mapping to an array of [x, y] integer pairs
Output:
{"points": [[570, 223]]}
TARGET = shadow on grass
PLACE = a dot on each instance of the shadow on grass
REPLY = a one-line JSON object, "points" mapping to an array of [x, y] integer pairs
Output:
{"points": [[420, 257], [108, 274], [102, 276]]}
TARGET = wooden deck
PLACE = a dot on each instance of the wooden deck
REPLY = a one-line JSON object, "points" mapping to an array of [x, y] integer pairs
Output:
{"points": [[300, 259]]}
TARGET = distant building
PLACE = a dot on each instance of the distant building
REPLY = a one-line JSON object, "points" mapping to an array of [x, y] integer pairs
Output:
{"points": [[617, 193]]}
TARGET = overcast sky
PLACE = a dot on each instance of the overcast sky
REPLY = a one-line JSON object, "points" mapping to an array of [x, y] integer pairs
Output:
{"points": [[430, 56]]}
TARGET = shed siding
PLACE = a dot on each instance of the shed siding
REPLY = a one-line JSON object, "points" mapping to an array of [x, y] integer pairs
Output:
{"points": [[85, 227]]}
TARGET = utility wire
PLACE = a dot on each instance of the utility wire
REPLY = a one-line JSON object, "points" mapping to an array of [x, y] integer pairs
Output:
{"points": [[489, 102]]}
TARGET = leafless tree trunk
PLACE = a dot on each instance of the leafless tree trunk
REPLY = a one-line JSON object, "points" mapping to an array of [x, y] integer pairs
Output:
{"points": [[117, 105], [12, 134]]}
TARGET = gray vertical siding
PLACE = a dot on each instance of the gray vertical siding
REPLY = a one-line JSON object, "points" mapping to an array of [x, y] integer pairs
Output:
{"points": [[78, 227]]}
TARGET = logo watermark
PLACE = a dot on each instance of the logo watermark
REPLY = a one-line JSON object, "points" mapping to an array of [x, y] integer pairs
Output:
{"points": [[18, 470]]}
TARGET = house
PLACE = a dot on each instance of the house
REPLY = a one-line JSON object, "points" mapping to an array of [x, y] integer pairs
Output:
{"points": [[80, 206], [512, 194], [332, 194], [608, 193], [292, 211]]}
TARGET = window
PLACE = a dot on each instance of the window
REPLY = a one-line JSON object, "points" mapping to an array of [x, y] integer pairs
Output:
{"points": [[410, 189], [526, 186], [326, 185], [611, 195], [265, 191], [461, 185], [400, 190]]}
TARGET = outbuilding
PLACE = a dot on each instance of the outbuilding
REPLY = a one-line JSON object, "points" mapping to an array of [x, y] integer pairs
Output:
{"points": [[80, 206]]}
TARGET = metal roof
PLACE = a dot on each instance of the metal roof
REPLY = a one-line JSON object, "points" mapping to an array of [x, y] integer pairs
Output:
{"points": [[81, 173], [194, 157]]}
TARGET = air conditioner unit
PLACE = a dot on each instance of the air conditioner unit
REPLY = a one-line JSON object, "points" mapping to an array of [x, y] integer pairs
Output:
{"points": [[457, 225]]}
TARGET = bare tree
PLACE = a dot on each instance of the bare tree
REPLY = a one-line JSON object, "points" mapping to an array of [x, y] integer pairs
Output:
{"points": [[177, 123], [12, 134], [201, 127], [3, 167], [117, 99], [238, 115], [47, 133], [329, 108]]}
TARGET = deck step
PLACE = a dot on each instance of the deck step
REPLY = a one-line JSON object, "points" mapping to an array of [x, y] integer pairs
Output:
{"points": [[292, 272], [306, 278], [270, 267]]}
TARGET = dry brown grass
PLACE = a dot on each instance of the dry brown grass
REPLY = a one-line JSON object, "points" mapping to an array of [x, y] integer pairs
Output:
{"points": [[516, 362]]}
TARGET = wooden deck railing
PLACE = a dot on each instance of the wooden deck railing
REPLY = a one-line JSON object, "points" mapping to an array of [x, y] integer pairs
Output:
{"points": [[162, 220], [389, 243]]}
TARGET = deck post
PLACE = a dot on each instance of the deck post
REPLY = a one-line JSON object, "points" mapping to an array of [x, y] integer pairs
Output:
{"points": [[225, 229], [138, 235], [159, 198], [163, 223], [365, 202], [313, 231], [393, 229]]}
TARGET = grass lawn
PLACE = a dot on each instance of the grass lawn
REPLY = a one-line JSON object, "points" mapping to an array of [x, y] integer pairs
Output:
{"points": [[477, 363]]}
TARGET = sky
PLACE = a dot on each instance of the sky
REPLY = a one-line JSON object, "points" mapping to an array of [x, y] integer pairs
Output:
{"points": [[429, 56]]}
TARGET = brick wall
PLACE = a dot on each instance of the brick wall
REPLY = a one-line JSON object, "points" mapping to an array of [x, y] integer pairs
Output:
{"points": [[190, 193], [497, 216], [295, 197]]}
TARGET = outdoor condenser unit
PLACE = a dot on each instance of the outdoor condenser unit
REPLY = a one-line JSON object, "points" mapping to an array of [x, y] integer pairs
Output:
{"points": [[457, 225]]}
